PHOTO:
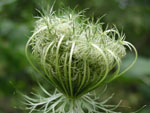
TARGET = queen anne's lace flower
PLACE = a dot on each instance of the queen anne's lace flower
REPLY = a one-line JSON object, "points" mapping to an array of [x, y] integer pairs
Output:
{"points": [[76, 55]]}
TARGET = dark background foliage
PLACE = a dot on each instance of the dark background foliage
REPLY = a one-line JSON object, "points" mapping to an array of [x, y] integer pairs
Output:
{"points": [[17, 21]]}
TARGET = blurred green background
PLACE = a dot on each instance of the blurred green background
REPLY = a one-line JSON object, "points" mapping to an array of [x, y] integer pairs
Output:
{"points": [[17, 22]]}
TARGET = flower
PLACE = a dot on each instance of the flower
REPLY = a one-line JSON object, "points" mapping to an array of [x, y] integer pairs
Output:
{"points": [[76, 54]]}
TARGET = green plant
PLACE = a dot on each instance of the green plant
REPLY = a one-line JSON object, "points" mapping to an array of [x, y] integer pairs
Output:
{"points": [[76, 55]]}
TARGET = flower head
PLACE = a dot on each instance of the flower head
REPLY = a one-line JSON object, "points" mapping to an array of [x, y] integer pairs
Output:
{"points": [[75, 54]]}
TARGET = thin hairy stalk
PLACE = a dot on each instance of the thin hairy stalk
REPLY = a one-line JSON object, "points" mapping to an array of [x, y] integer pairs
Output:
{"points": [[70, 62], [79, 79], [133, 62], [26, 51], [84, 76], [44, 61], [88, 75], [65, 72], [57, 64], [115, 74]]}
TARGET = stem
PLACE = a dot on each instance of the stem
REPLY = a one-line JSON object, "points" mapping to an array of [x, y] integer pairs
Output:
{"points": [[70, 61]]}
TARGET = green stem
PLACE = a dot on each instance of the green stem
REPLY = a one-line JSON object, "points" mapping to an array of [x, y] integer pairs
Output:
{"points": [[70, 61]]}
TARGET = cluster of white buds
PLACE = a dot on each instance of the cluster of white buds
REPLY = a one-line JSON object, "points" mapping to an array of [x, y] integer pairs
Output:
{"points": [[75, 54]]}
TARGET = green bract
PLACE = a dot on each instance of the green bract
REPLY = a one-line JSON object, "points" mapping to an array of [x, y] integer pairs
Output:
{"points": [[75, 54]]}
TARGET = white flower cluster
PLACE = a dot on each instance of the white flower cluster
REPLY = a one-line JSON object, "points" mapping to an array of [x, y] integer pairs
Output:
{"points": [[76, 54]]}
